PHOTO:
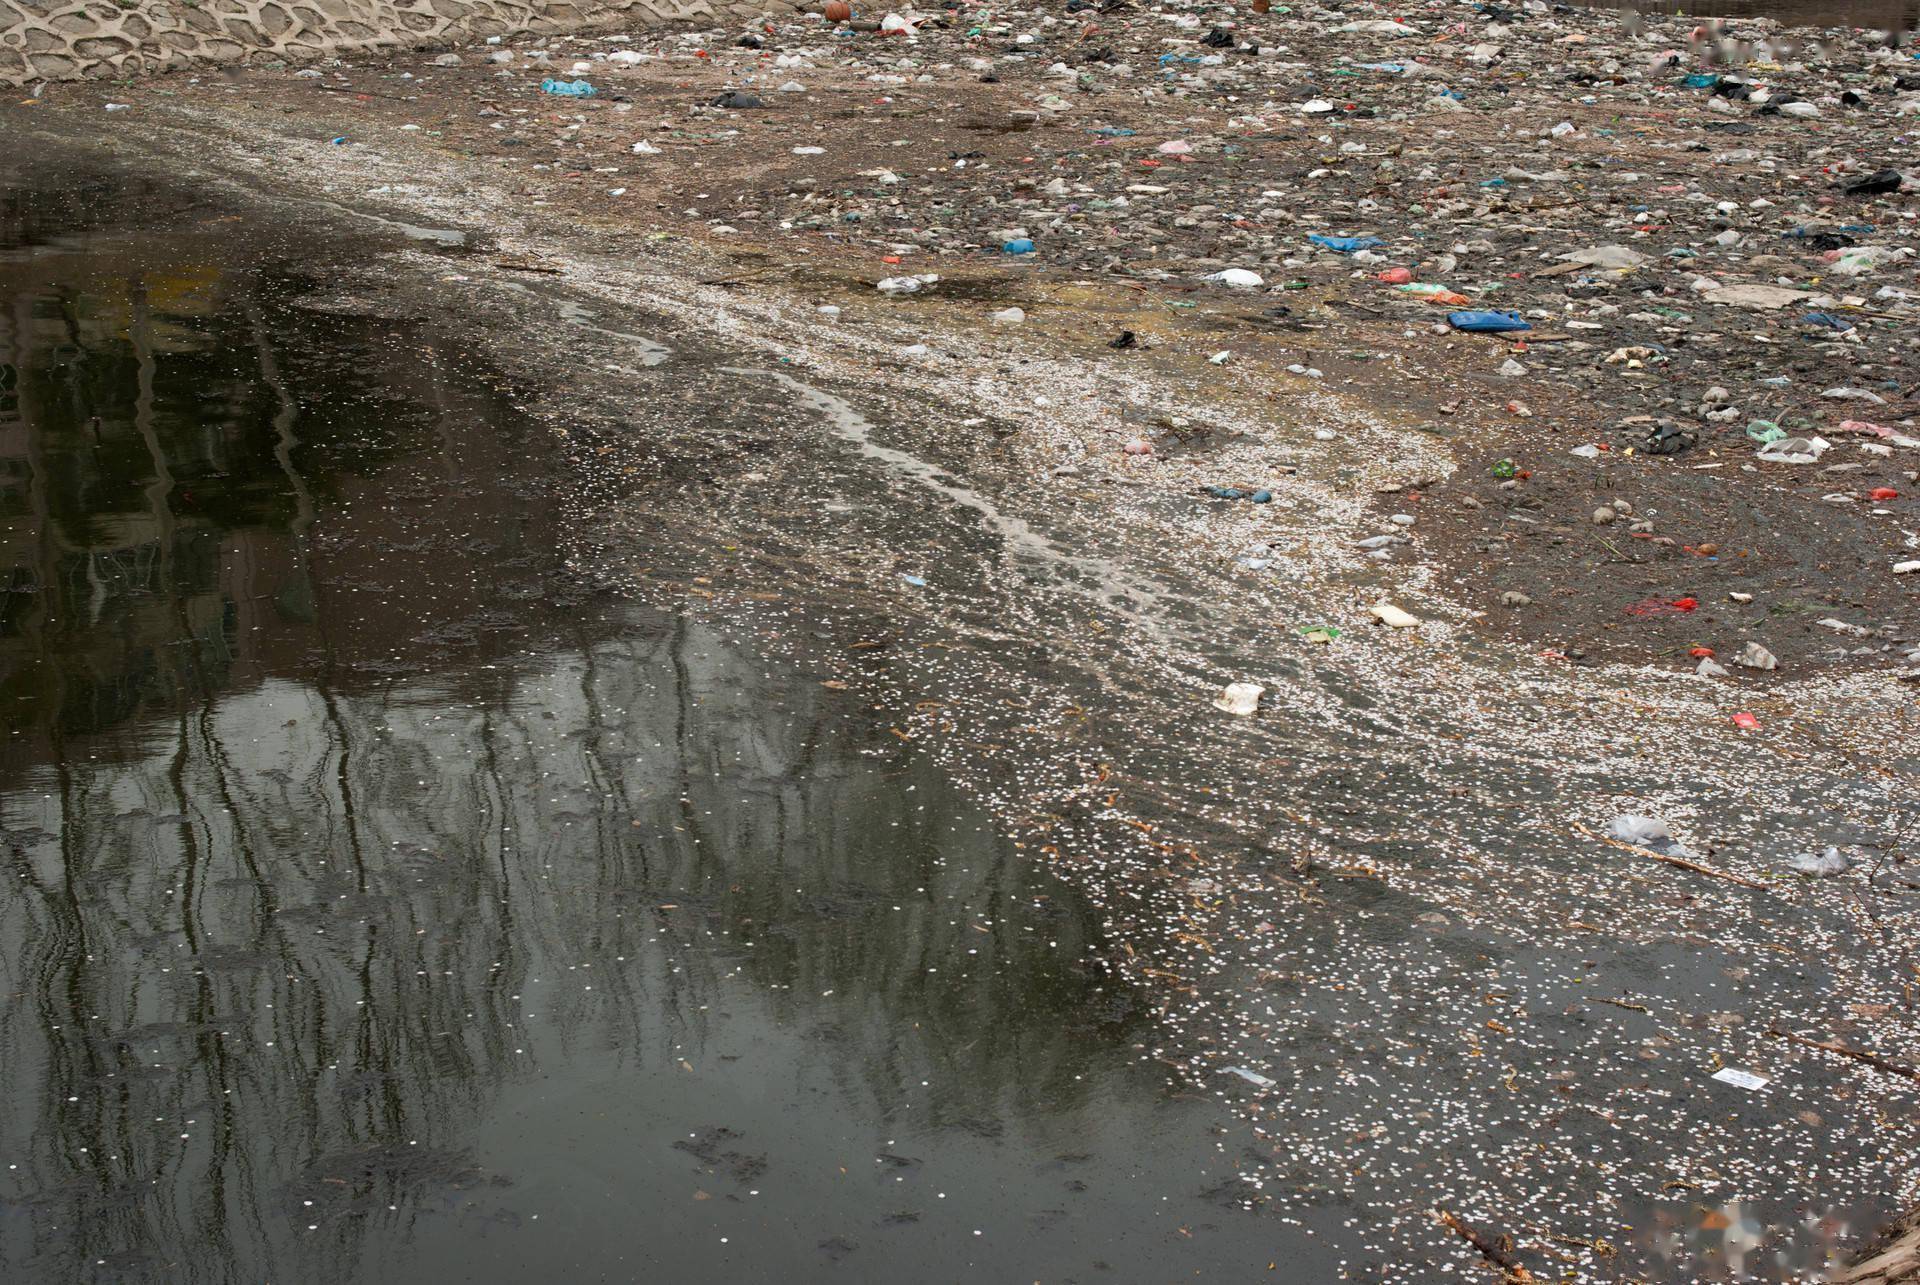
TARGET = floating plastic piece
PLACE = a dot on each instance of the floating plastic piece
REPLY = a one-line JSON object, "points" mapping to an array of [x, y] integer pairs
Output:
{"points": [[1239, 699], [1650, 833]]}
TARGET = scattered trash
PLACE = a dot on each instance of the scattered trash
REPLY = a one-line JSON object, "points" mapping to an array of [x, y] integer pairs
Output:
{"points": [[1393, 617], [1753, 295], [1241, 699], [1650, 833], [1740, 1079], [1608, 201], [1610, 258], [1878, 183], [1820, 865], [1670, 439], [1345, 244], [1793, 450]]}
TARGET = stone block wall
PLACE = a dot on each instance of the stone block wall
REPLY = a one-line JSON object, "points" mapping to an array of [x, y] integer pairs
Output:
{"points": [[76, 39]]}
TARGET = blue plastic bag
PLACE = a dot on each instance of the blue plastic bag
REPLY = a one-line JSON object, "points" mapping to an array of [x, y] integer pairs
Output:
{"points": [[568, 88], [1019, 245], [1345, 244], [1487, 323]]}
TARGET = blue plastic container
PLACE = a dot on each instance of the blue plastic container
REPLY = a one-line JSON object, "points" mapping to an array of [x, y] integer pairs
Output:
{"points": [[1488, 323]]}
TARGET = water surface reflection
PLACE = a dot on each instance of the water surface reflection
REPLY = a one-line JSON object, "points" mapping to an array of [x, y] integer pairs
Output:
{"points": [[381, 902]]}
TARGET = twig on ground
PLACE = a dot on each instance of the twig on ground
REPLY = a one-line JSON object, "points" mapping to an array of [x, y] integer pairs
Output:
{"points": [[1493, 1253], [1873, 1060], [1666, 859]]}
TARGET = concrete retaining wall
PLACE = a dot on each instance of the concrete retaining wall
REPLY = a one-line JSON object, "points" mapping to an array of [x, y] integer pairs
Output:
{"points": [[75, 39]]}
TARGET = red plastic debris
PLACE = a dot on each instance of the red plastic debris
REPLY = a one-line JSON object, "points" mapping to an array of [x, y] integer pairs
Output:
{"points": [[1649, 607], [1746, 722], [1883, 493]]}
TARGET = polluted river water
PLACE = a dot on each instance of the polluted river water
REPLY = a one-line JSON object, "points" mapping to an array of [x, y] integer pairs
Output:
{"points": [[394, 895], [383, 907]]}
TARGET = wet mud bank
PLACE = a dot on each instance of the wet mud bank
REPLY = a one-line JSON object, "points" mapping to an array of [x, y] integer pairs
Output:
{"points": [[896, 618]]}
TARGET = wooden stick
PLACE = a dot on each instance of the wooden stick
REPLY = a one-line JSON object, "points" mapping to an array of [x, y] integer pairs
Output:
{"points": [[1488, 1250], [1681, 862], [1873, 1060]]}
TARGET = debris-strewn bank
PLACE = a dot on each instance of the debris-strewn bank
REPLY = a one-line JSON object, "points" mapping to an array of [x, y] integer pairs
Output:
{"points": [[1402, 915], [1707, 231]]}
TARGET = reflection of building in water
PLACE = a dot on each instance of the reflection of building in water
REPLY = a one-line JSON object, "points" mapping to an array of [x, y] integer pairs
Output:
{"points": [[112, 586], [164, 440]]}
